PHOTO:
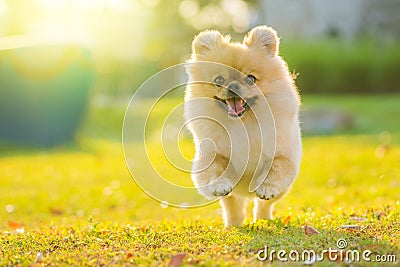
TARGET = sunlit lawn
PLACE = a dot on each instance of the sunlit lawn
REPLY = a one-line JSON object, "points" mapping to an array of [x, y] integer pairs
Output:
{"points": [[77, 204]]}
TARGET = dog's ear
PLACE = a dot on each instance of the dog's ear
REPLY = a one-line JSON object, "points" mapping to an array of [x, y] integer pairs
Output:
{"points": [[263, 36], [205, 41]]}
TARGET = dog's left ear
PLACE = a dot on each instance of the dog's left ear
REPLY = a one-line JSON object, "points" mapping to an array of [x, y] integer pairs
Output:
{"points": [[263, 36]]}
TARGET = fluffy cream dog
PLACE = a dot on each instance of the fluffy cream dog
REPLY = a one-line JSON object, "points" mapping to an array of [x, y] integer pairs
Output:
{"points": [[242, 110]]}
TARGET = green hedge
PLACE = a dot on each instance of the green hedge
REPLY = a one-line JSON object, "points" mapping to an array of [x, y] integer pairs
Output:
{"points": [[331, 66], [323, 67]]}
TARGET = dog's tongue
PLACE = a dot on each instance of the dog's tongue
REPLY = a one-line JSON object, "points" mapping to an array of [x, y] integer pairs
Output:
{"points": [[235, 106]]}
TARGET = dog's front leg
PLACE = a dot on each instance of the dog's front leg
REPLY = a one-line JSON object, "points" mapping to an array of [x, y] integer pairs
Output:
{"points": [[209, 175], [279, 179]]}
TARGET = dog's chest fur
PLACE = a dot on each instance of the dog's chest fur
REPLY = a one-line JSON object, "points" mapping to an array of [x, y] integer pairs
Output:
{"points": [[244, 143]]}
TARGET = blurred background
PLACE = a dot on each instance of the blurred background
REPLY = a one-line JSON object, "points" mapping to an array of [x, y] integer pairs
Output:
{"points": [[56, 55], [69, 67]]}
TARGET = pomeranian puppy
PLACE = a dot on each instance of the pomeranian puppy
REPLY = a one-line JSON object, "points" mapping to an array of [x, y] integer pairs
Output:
{"points": [[241, 106]]}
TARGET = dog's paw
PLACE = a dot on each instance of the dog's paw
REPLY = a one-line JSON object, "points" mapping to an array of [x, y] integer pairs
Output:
{"points": [[267, 192], [221, 189], [218, 188]]}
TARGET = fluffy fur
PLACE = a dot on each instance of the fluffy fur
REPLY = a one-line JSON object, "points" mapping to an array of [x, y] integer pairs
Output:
{"points": [[235, 153]]}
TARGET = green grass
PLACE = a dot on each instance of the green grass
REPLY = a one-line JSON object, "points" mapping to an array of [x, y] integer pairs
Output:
{"points": [[79, 206]]}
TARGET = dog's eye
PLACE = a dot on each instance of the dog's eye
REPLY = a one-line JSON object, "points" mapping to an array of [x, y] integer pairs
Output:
{"points": [[251, 80], [219, 81]]}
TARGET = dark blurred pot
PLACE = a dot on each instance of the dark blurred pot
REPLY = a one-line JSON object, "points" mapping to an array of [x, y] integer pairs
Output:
{"points": [[44, 92]]}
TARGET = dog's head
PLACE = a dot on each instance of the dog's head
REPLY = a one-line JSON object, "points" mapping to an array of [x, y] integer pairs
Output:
{"points": [[240, 72]]}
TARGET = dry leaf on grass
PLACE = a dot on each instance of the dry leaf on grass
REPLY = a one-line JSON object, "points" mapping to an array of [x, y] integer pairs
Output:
{"points": [[56, 211], [309, 230], [286, 220], [176, 260], [15, 225], [354, 218], [350, 227]]}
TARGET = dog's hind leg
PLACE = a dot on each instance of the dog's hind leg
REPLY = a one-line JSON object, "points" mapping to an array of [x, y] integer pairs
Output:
{"points": [[234, 209], [262, 209]]}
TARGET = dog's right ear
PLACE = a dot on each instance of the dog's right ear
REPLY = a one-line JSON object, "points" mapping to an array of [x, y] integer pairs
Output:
{"points": [[206, 41]]}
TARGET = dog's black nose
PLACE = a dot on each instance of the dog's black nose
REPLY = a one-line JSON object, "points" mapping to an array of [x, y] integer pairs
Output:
{"points": [[234, 88]]}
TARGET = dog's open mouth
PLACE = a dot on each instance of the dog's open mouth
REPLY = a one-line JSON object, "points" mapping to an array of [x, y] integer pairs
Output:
{"points": [[236, 106]]}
